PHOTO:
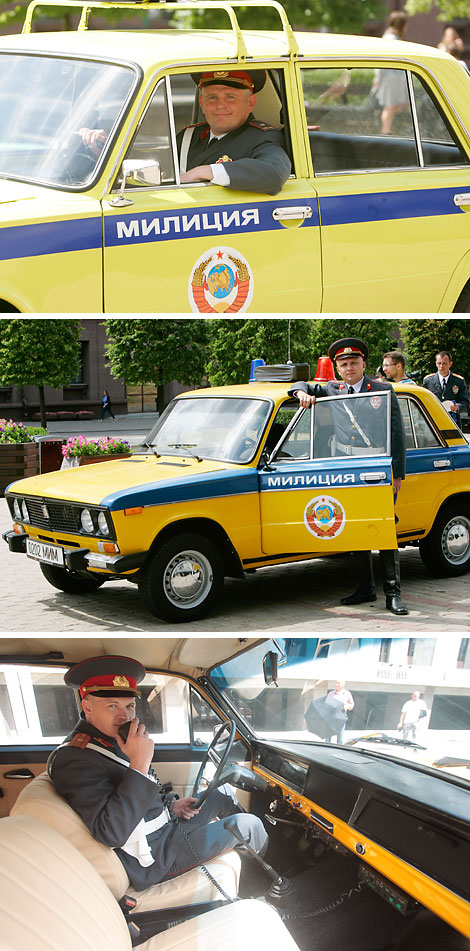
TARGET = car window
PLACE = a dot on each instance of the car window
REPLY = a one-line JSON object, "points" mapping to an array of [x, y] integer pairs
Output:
{"points": [[425, 437], [37, 708], [317, 434], [45, 102], [439, 143], [404, 405], [361, 119], [174, 105]]}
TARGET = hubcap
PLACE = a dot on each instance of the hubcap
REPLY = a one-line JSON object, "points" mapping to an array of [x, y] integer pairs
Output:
{"points": [[456, 540], [188, 579]]}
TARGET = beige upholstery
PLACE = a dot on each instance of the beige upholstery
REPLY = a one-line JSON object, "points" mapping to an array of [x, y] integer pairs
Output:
{"points": [[51, 899], [40, 800]]}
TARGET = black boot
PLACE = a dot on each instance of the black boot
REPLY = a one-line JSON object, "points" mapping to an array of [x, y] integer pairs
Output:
{"points": [[392, 589], [366, 590]]}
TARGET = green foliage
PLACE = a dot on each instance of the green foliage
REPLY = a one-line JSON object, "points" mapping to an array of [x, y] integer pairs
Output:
{"points": [[447, 9], [337, 16], [424, 338], [12, 15], [234, 343], [39, 352]]}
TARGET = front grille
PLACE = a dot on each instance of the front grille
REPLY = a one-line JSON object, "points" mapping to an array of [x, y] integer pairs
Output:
{"points": [[52, 515]]}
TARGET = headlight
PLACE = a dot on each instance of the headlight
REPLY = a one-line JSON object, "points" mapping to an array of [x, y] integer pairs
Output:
{"points": [[102, 524], [17, 510], [24, 512], [87, 522]]}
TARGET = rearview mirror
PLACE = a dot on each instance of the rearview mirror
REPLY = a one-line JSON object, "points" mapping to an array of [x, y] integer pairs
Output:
{"points": [[270, 668], [137, 172]]}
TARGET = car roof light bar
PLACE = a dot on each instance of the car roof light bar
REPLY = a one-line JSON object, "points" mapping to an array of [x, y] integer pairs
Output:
{"points": [[145, 5]]}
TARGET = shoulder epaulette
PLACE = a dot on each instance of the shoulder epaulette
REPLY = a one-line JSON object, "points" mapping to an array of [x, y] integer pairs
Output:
{"points": [[79, 739], [458, 375], [264, 126]]}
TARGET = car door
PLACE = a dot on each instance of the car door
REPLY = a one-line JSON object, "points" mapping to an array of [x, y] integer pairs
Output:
{"points": [[314, 499], [202, 247], [391, 232]]}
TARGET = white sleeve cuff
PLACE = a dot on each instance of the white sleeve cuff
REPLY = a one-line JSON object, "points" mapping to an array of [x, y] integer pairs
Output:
{"points": [[219, 174]]}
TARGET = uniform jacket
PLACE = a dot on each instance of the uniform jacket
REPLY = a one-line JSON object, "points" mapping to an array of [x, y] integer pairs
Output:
{"points": [[365, 417], [256, 157], [112, 799], [456, 390]]}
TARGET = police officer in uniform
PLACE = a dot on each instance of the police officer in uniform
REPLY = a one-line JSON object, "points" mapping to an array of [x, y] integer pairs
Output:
{"points": [[449, 387], [231, 148], [110, 784], [355, 434]]}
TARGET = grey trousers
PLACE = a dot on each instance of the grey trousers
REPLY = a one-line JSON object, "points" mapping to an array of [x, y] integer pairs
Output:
{"points": [[209, 839]]}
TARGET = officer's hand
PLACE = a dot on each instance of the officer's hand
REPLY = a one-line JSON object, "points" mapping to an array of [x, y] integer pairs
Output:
{"points": [[139, 747], [305, 399], [396, 486], [202, 173], [94, 139], [184, 808]]}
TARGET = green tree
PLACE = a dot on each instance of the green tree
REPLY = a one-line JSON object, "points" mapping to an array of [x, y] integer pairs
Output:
{"points": [[447, 9], [234, 343], [157, 351], [39, 353], [424, 338], [337, 16], [380, 335]]}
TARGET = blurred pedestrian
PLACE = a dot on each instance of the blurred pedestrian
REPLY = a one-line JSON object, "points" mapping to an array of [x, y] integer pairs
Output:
{"points": [[341, 695], [390, 86], [451, 43], [412, 712], [106, 406], [449, 387]]}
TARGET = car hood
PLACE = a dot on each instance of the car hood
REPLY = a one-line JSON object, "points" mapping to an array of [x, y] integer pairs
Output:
{"points": [[137, 480], [16, 191]]}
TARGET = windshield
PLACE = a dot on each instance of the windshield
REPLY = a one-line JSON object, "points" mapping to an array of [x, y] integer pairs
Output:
{"points": [[224, 428], [398, 696], [46, 104]]}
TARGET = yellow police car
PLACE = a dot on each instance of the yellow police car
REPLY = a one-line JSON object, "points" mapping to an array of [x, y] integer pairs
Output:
{"points": [[372, 218], [236, 478]]}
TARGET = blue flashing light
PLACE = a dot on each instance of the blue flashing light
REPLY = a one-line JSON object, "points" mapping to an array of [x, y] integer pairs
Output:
{"points": [[255, 363]]}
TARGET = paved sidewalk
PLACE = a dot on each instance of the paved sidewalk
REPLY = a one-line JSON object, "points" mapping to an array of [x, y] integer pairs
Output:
{"points": [[297, 597]]}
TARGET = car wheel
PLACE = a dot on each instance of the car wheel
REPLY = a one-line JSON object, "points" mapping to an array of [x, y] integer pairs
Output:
{"points": [[446, 550], [69, 581], [183, 578]]}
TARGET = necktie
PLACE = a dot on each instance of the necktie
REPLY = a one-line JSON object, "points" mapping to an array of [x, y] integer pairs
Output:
{"points": [[350, 390], [443, 387]]}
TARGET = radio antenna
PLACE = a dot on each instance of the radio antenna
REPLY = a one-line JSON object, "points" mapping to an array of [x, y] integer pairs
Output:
{"points": [[288, 341]]}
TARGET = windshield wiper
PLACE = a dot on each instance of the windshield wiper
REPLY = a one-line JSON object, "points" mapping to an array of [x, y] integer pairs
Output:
{"points": [[384, 738], [185, 445]]}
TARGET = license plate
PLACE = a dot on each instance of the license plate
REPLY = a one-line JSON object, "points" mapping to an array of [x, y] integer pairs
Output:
{"points": [[42, 551]]}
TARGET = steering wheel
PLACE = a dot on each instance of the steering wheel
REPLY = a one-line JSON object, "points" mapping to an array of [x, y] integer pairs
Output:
{"points": [[228, 726], [76, 161]]}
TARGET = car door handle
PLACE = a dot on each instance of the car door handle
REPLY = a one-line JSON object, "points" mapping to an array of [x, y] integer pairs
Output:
{"points": [[441, 463], [19, 774], [373, 476], [462, 200], [291, 212]]}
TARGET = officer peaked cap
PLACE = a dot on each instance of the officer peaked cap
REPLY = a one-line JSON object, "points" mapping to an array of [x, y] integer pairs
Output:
{"points": [[108, 676], [253, 80], [348, 347]]}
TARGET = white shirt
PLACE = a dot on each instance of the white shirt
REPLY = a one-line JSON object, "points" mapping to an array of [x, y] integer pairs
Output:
{"points": [[411, 710]]}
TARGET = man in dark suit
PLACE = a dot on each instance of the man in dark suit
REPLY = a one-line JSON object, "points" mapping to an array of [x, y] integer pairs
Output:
{"points": [[449, 387], [231, 148], [355, 434], [109, 782]]}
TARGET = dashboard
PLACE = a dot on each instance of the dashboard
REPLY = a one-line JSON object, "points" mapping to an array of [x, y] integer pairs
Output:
{"points": [[408, 824]]}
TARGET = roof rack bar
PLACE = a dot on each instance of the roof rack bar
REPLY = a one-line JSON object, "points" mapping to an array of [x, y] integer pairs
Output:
{"points": [[135, 5]]}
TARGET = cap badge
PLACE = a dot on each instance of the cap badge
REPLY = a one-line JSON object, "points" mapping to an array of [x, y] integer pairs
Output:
{"points": [[121, 681], [221, 74]]}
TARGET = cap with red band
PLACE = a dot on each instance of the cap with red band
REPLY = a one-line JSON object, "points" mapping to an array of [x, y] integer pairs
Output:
{"points": [[239, 79], [348, 347], [108, 676]]}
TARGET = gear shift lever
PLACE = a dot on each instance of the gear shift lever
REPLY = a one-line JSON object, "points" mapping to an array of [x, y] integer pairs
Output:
{"points": [[280, 886]]}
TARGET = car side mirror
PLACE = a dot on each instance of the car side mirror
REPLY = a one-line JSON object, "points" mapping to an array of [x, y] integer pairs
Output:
{"points": [[270, 668], [137, 172]]}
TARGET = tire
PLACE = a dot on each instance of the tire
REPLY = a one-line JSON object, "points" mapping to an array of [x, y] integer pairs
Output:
{"points": [[182, 579], [446, 550], [69, 581], [463, 303]]}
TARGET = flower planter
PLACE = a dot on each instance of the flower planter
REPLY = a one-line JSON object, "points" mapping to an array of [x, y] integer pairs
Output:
{"points": [[17, 461], [107, 457]]}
